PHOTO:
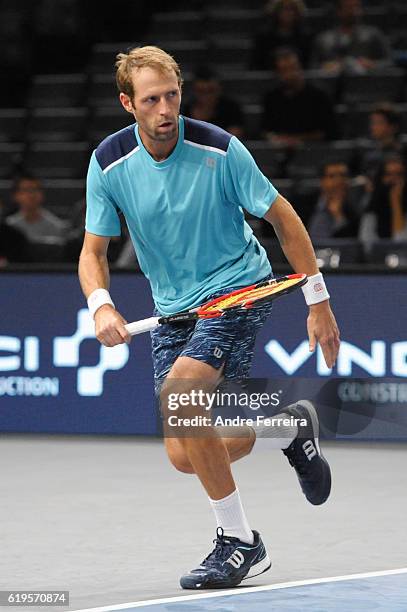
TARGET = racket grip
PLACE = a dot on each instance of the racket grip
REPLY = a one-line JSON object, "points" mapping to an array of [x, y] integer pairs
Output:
{"points": [[139, 327]]}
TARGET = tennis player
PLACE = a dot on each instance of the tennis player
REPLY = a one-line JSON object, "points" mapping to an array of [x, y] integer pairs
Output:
{"points": [[182, 186]]}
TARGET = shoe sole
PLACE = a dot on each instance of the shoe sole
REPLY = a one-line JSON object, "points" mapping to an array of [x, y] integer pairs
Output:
{"points": [[259, 568]]}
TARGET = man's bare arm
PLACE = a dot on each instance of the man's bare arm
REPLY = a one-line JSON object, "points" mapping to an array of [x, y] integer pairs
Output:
{"points": [[293, 236], [93, 265], [94, 274], [298, 249]]}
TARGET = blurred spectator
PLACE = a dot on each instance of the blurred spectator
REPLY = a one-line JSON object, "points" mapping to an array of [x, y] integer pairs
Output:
{"points": [[336, 213], [209, 104], [351, 46], [283, 27], [386, 216], [13, 245], [15, 55], [296, 111], [32, 219], [384, 128]]}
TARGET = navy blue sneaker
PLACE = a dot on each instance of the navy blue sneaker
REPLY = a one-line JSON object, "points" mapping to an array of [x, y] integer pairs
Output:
{"points": [[305, 455], [228, 564]]}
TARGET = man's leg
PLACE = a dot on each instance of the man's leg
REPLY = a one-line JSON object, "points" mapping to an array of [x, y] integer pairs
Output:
{"points": [[239, 442], [239, 552], [204, 449]]}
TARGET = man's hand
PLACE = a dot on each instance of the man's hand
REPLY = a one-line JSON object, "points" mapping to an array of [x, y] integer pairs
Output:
{"points": [[110, 328], [335, 207], [322, 328]]}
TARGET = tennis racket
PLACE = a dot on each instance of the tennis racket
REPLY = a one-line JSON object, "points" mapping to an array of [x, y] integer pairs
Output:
{"points": [[241, 299]]}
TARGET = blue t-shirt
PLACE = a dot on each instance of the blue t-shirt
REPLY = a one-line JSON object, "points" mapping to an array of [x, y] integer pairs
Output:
{"points": [[184, 214]]}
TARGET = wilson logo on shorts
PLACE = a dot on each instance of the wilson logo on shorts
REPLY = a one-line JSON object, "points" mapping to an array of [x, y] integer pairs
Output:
{"points": [[309, 449], [218, 352], [237, 559]]}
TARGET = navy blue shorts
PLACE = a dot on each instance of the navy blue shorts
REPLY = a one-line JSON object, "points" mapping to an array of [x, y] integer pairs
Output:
{"points": [[225, 340]]}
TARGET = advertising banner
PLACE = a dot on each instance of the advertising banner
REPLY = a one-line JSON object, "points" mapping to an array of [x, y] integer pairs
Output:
{"points": [[56, 377]]}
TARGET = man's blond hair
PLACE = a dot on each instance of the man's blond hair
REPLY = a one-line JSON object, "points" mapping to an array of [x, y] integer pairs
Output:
{"points": [[143, 57]]}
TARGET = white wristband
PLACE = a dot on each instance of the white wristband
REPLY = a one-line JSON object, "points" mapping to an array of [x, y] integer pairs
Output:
{"points": [[315, 290], [98, 298]]}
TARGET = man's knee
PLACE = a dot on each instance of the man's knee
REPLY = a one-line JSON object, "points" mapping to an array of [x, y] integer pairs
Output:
{"points": [[179, 458]]}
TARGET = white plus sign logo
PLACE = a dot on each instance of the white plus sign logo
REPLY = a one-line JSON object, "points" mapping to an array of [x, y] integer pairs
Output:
{"points": [[66, 355]]}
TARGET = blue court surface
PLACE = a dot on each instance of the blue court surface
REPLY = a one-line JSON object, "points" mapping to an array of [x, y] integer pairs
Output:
{"points": [[375, 591]]}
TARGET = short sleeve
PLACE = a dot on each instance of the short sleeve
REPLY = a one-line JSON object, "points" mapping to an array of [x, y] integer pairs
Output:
{"points": [[102, 216], [245, 184]]}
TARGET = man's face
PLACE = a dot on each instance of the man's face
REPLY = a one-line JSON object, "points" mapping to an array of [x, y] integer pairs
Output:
{"points": [[394, 173], [288, 14], [335, 178], [29, 195], [206, 91], [349, 11], [380, 128], [156, 103], [289, 70]]}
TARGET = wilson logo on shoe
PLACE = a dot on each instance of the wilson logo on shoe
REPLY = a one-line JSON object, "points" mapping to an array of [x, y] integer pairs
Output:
{"points": [[309, 449], [237, 559]]}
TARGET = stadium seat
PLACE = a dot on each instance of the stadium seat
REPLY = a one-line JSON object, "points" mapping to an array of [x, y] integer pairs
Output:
{"points": [[58, 160], [63, 194], [304, 197], [273, 250], [285, 187], [376, 16], [338, 251], [230, 54], [397, 19], [57, 90], [188, 53], [318, 19], [12, 124], [105, 121], [253, 117], [234, 4], [269, 158], [57, 124], [353, 121], [103, 91], [328, 83], [233, 23], [248, 87], [5, 192], [103, 56], [11, 156], [306, 160], [386, 86], [50, 252], [387, 252], [177, 26]]}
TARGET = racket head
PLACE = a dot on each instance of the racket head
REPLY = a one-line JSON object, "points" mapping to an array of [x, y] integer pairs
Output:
{"points": [[253, 295]]}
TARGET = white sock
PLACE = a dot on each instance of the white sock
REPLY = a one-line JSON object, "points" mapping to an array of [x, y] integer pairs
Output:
{"points": [[231, 517], [277, 436]]}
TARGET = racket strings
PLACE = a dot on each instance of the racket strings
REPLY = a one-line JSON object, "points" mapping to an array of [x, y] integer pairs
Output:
{"points": [[250, 295]]}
